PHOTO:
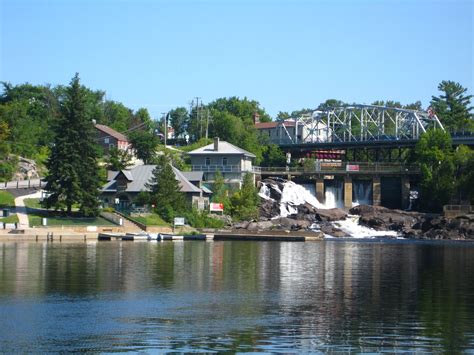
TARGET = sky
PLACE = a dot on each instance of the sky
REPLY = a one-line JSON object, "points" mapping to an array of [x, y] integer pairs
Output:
{"points": [[287, 55]]}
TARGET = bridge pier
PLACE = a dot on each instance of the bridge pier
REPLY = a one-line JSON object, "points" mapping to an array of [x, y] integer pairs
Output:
{"points": [[347, 192], [376, 191], [320, 190]]}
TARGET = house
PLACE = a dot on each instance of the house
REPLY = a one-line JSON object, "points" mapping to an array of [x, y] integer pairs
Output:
{"points": [[124, 186], [233, 162], [109, 138], [302, 130]]}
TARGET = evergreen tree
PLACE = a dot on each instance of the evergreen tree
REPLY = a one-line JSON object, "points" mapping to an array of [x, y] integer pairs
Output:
{"points": [[220, 192], [73, 173], [453, 106], [245, 202], [165, 192], [118, 159]]}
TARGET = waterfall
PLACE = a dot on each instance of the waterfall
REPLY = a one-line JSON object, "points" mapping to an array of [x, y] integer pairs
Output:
{"points": [[361, 192], [351, 226], [334, 193]]}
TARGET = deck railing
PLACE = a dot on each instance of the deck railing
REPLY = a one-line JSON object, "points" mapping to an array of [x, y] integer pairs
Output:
{"points": [[344, 167]]}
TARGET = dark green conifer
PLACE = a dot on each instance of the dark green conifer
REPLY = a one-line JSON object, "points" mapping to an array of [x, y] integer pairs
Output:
{"points": [[73, 173]]}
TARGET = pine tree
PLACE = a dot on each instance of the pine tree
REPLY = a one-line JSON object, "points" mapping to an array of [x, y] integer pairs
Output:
{"points": [[73, 173], [453, 106], [166, 193]]}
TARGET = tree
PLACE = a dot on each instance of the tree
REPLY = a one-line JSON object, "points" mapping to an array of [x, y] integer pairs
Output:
{"points": [[453, 106], [142, 119], [464, 173], [220, 192], [179, 119], [273, 156], [118, 159], [144, 143], [165, 192], [73, 173], [434, 153], [117, 116], [245, 202]]}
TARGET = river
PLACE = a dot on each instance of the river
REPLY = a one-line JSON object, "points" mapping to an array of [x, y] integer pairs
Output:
{"points": [[328, 296]]}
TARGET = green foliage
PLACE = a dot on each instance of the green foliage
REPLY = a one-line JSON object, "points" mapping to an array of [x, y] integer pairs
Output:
{"points": [[179, 118], [6, 199], [453, 106], [117, 116], [220, 192], [151, 219], [118, 159], [434, 153], [73, 170], [273, 156], [464, 174], [7, 169], [165, 193], [309, 164], [144, 143], [245, 201], [142, 119], [142, 198], [200, 143], [202, 219]]}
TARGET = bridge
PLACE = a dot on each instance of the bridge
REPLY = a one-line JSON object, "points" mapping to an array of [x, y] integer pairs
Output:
{"points": [[359, 127]]}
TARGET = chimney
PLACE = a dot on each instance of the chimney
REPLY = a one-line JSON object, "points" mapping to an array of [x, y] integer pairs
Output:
{"points": [[256, 118], [216, 144]]}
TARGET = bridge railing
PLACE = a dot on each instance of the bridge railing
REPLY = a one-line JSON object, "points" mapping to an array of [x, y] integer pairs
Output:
{"points": [[345, 167]]}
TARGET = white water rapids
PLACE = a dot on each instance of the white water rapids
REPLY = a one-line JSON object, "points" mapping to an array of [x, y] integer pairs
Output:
{"points": [[292, 195]]}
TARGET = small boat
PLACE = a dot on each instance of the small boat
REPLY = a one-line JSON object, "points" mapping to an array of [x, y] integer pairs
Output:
{"points": [[165, 236]]}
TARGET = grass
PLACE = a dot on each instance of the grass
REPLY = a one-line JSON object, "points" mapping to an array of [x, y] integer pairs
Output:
{"points": [[32, 203], [13, 218], [53, 219], [152, 220], [6, 200]]}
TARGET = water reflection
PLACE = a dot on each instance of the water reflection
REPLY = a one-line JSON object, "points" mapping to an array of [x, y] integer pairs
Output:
{"points": [[237, 296]]}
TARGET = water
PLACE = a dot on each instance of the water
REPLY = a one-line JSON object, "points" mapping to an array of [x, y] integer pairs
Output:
{"points": [[334, 193], [361, 192], [331, 296]]}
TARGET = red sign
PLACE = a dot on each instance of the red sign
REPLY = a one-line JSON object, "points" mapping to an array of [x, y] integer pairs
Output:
{"points": [[350, 167], [216, 207]]}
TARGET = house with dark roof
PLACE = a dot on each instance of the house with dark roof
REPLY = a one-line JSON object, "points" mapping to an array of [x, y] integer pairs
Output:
{"points": [[109, 138], [124, 186], [233, 162]]}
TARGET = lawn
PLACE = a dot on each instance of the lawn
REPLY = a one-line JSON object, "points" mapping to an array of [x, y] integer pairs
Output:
{"points": [[6, 200], [54, 219], [12, 218], [151, 220], [36, 213]]}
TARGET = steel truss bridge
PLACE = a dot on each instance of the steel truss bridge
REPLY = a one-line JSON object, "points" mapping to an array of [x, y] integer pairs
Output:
{"points": [[376, 129]]}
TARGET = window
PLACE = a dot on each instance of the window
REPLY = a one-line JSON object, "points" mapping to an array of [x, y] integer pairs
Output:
{"points": [[224, 161], [106, 140], [208, 161]]}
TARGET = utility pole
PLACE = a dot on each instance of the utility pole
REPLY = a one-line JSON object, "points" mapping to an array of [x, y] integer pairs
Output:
{"points": [[198, 118], [166, 127], [207, 123]]}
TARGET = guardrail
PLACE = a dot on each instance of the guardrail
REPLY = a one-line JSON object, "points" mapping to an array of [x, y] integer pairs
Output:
{"points": [[343, 168], [21, 184], [221, 168]]}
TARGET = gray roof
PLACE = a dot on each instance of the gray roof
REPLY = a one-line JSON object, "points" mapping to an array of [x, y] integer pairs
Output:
{"points": [[140, 175], [223, 148], [193, 175]]}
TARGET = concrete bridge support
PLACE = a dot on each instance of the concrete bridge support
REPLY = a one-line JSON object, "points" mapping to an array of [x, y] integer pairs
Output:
{"points": [[376, 191], [320, 190], [347, 192]]}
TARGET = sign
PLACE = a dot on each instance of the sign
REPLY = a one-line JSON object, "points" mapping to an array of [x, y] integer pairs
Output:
{"points": [[350, 167], [216, 207], [179, 221]]}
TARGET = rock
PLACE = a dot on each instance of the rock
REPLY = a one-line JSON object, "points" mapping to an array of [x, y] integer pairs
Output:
{"points": [[269, 209], [224, 218], [332, 214], [329, 229], [241, 225]]}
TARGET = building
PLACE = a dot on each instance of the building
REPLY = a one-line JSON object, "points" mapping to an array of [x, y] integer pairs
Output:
{"points": [[109, 138], [124, 186], [301, 130], [233, 162]]}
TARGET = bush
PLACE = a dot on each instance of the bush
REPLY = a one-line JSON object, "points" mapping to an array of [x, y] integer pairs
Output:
{"points": [[202, 219], [7, 169]]}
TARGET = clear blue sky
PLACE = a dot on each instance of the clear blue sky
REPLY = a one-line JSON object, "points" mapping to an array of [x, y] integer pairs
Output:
{"points": [[285, 54]]}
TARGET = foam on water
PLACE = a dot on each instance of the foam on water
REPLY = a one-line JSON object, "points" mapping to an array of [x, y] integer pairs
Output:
{"points": [[294, 195], [351, 226]]}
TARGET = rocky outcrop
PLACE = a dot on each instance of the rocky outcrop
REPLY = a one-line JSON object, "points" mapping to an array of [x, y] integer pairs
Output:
{"points": [[27, 169], [416, 225]]}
